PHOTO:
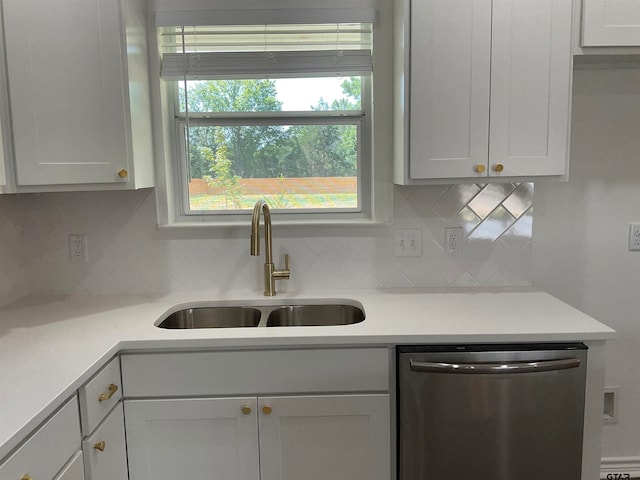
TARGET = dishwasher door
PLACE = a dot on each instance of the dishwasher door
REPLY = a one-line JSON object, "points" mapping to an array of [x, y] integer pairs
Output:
{"points": [[487, 412]]}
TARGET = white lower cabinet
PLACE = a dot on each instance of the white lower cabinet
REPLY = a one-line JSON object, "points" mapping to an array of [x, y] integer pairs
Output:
{"points": [[192, 438], [341, 437], [338, 437], [105, 453], [45, 455], [74, 470]]}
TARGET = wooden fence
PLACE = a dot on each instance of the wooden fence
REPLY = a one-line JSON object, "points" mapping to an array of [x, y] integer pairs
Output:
{"points": [[277, 186]]}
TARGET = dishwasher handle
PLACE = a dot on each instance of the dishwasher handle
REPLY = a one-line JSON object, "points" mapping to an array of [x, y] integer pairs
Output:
{"points": [[495, 368]]}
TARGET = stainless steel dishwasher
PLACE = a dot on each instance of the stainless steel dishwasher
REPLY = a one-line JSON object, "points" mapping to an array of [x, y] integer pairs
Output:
{"points": [[491, 412]]}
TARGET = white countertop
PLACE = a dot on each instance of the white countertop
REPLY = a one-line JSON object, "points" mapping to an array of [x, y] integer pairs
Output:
{"points": [[49, 346]]}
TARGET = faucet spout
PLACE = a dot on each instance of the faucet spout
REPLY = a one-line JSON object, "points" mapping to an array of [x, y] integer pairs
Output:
{"points": [[261, 207], [271, 274]]}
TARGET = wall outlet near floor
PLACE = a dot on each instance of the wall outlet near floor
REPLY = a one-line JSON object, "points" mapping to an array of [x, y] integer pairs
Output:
{"points": [[453, 241], [634, 236], [407, 243], [78, 248], [610, 410]]}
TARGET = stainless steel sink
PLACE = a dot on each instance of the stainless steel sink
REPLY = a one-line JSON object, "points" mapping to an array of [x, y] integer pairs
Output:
{"points": [[314, 315], [275, 315], [213, 317]]}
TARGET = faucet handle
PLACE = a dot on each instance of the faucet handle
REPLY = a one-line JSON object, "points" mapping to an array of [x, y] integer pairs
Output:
{"points": [[283, 274]]}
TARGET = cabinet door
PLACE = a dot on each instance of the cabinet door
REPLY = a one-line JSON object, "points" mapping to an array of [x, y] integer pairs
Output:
{"points": [[74, 470], [343, 437], [530, 87], [105, 454], [449, 99], [47, 451], [192, 438], [3, 174], [611, 23], [66, 89], [4, 117]]}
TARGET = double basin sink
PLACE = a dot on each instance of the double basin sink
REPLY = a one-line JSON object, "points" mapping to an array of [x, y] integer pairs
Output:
{"points": [[277, 315]]}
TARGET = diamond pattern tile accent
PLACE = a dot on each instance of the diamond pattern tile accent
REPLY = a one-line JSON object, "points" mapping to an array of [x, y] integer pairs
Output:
{"points": [[489, 198], [493, 226], [128, 254], [455, 199], [520, 200]]}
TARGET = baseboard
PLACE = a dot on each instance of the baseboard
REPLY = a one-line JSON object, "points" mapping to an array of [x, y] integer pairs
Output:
{"points": [[620, 468]]}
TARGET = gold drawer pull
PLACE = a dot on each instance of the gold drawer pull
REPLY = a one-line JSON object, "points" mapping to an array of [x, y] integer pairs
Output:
{"points": [[123, 173], [100, 446], [113, 388], [498, 167], [479, 168], [26, 476], [266, 410], [246, 410]]}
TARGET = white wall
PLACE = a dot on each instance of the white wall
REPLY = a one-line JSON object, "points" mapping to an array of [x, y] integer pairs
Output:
{"points": [[13, 278], [580, 246], [129, 255]]}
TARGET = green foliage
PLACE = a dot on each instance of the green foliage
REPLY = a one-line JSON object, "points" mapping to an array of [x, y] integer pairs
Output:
{"points": [[223, 176], [281, 199], [267, 151]]}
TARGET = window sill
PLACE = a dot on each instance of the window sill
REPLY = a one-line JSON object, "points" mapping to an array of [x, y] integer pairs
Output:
{"points": [[306, 223]]}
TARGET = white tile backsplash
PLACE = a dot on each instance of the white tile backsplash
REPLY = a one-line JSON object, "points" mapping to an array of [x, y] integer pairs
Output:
{"points": [[127, 254]]}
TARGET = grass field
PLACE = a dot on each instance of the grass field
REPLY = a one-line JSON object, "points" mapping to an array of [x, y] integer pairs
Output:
{"points": [[290, 201]]}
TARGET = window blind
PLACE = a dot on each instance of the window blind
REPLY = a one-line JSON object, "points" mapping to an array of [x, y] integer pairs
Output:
{"points": [[266, 51]]}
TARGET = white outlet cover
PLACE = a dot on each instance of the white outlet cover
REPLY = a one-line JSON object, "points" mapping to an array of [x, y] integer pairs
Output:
{"points": [[78, 248], [634, 236]]}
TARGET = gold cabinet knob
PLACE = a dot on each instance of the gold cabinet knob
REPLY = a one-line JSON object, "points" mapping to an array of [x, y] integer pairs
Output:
{"points": [[246, 410], [479, 168], [100, 446], [123, 173], [498, 167], [266, 410], [111, 389], [26, 476]]}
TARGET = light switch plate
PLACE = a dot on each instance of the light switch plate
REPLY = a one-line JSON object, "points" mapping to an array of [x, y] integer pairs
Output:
{"points": [[407, 243]]}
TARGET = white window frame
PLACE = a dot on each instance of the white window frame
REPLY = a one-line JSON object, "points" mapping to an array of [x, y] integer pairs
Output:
{"points": [[377, 151], [361, 118]]}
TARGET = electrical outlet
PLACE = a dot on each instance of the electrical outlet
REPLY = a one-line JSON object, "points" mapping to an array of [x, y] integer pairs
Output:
{"points": [[453, 241], [610, 409], [634, 236], [407, 243], [78, 248]]}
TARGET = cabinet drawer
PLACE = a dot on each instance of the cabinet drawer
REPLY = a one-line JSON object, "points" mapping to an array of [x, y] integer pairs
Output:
{"points": [[46, 452], [74, 470], [99, 395], [251, 372], [105, 456]]}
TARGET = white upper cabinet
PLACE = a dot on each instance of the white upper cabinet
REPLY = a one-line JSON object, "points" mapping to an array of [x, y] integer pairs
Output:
{"points": [[4, 118], [483, 89], [611, 23], [531, 73], [78, 91], [449, 100], [3, 174]]}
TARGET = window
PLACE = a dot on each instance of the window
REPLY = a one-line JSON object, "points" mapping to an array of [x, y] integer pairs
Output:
{"points": [[281, 112], [316, 162]]}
